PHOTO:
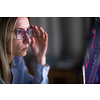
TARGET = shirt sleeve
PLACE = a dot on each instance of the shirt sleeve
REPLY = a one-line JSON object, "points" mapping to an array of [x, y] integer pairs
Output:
{"points": [[40, 74]]}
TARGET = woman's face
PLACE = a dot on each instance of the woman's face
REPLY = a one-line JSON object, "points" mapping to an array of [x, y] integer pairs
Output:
{"points": [[20, 47]]}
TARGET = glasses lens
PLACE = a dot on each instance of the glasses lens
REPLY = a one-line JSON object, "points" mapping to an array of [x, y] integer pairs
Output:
{"points": [[30, 32], [20, 34]]}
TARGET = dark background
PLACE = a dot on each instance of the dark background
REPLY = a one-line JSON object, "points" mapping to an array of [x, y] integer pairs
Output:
{"points": [[68, 40]]}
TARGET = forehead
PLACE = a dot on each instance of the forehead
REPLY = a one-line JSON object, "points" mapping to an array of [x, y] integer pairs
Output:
{"points": [[22, 22]]}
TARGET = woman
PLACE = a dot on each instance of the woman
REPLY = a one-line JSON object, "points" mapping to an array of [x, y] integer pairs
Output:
{"points": [[15, 35]]}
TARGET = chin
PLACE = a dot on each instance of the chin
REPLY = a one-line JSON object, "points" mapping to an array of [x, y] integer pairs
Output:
{"points": [[22, 54]]}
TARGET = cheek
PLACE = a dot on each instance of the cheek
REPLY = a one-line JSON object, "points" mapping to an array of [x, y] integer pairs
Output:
{"points": [[17, 48], [17, 44]]}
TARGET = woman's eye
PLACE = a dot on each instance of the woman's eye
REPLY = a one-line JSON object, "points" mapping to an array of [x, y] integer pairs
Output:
{"points": [[21, 32]]}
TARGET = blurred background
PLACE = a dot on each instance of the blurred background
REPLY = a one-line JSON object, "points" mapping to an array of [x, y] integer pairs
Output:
{"points": [[68, 40]]}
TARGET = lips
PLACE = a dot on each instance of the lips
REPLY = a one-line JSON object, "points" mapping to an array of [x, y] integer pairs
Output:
{"points": [[26, 48]]}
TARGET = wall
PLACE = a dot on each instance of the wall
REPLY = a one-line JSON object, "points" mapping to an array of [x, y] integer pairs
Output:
{"points": [[68, 37]]}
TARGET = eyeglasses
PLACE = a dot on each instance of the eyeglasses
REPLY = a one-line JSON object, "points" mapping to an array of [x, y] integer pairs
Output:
{"points": [[20, 34]]}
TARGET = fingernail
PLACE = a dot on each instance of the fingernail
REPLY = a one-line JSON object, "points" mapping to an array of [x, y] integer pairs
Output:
{"points": [[36, 27], [41, 28]]}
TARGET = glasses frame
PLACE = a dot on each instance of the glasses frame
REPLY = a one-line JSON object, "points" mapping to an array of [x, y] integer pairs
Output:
{"points": [[24, 32]]}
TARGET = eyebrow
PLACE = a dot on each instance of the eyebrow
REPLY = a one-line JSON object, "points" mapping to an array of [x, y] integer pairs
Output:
{"points": [[21, 28]]}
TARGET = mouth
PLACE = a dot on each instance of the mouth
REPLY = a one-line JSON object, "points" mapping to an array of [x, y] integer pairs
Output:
{"points": [[25, 49]]}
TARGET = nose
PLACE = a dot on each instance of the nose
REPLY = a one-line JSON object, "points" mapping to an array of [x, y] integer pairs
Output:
{"points": [[27, 39]]}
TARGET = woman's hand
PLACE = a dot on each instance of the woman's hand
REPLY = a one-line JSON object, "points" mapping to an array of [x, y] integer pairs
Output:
{"points": [[39, 43]]}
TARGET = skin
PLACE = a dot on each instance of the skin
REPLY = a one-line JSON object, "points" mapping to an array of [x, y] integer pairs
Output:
{"points": [[38, 42]]}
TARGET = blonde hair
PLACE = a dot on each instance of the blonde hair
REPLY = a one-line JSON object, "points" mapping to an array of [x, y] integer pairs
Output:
{"points": [[6, 24]]}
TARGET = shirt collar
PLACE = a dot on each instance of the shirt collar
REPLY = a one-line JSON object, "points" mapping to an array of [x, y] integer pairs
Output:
{"points": [[14, 62]]}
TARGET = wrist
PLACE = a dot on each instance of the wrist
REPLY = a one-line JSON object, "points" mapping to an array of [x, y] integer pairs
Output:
{"points": [[40, 60]]}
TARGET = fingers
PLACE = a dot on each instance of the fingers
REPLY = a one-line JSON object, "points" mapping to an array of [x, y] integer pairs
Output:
{"points": [[32, 42], [33, 31], [42, 32], [36, 32], [46, 36], [39, 32]]}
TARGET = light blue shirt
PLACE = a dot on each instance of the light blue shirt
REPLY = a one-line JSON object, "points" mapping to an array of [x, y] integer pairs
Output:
{"points": [[21, 75]]}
